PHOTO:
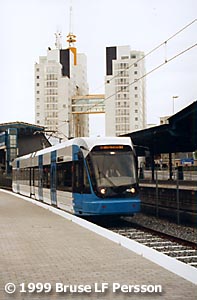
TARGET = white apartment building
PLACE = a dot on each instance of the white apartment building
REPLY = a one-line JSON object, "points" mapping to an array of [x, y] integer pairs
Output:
{"points": [[125, 105], [59, 76]]}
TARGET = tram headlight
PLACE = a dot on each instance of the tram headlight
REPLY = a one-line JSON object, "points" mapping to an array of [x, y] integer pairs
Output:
{"points": [[131, 190], [103, 191]]}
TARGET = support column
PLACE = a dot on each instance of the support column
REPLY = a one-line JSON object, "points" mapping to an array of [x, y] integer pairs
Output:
{"points": [[152, 166], [170, 166]]}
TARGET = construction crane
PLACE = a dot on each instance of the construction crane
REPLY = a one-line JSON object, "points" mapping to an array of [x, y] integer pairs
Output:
{"points": [[71, 37]]}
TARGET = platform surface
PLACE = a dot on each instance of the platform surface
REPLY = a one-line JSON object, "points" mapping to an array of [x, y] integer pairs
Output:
{"points": [[38, 246]]}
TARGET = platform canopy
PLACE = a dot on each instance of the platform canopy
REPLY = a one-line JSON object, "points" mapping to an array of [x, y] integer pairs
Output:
{"points": [[17, 139], [180, 135], [22, 127]]}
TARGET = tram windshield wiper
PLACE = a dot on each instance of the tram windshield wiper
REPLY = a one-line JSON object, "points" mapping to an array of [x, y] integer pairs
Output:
{"points": [[106, 177]]}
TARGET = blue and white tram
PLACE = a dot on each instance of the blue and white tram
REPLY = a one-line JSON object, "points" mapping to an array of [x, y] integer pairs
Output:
{"points": [[85, 176]]}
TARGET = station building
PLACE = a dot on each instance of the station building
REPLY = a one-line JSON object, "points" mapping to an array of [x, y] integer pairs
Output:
{"points": [[17, 139]]}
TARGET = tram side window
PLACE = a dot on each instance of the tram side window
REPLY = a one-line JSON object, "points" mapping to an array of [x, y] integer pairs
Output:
{"points": [[24, 176], [14, 175], [46, 176], [20, 175], [27, 176], [64, 176], [36, 176], [80, 182]]}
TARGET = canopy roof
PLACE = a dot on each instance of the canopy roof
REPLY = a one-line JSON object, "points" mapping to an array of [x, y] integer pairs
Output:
{"points": [[180, 135]]}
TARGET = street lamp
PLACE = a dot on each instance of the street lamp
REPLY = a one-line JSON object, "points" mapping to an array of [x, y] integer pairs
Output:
{"points": [[173, 97]]}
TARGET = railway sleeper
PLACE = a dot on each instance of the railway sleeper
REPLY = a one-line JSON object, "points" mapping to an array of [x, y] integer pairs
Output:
{"points": [[169, 247], [180, 251], [193, 264], [165, 243], [147, 239], [183, 258]]}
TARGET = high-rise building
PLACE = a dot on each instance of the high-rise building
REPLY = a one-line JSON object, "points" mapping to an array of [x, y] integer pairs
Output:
{"points": [[125, 105], [59, 76]]}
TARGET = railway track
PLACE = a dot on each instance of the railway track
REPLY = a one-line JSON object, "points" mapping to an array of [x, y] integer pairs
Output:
{"points": [[180, 249]]}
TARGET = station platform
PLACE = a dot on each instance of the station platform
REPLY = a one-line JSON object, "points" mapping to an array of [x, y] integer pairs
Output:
{"points": [[42, 253]]}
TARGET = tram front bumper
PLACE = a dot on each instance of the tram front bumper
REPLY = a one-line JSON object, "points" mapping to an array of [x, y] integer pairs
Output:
{"points": [[111, 207]]}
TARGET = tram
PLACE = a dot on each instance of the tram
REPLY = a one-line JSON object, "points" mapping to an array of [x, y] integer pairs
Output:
{"points": [[84, 176]]}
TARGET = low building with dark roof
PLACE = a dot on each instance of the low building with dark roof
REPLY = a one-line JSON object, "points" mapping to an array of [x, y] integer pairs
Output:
{"points": [[17, 139]]}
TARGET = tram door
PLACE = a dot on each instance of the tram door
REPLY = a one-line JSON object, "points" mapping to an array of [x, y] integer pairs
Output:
{"points": [[17, 181], [32, 183], [53, 178], [79, 186], [40, 178]]}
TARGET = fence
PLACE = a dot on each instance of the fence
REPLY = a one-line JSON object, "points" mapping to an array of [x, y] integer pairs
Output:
{"points": [[181, 173], [163, 197]]}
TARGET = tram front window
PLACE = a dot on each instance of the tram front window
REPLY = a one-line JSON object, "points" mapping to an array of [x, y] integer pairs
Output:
{"points": [[112, 171]]}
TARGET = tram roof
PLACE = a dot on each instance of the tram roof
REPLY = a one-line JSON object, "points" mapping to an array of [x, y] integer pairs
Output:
{"points": [[86, 143], [180, 135]]}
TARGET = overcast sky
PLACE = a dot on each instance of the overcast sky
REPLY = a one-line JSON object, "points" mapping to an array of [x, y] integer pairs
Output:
{"points": [[27, 29]]}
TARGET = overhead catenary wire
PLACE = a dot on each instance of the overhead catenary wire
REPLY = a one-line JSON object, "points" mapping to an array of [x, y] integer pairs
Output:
{"points": [[157, 67], [157, 47], [145, 56], [148, 73], [142, 58]]}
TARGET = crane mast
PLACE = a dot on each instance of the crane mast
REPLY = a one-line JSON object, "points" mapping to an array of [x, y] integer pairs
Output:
{"points": [[71, 38]]}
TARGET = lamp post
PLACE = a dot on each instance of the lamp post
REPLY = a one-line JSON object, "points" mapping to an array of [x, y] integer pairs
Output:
{"points": [[173, 97]]}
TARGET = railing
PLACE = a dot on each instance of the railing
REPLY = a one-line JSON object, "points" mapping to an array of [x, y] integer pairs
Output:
{"points": [[164, 174], [177, 194]]}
